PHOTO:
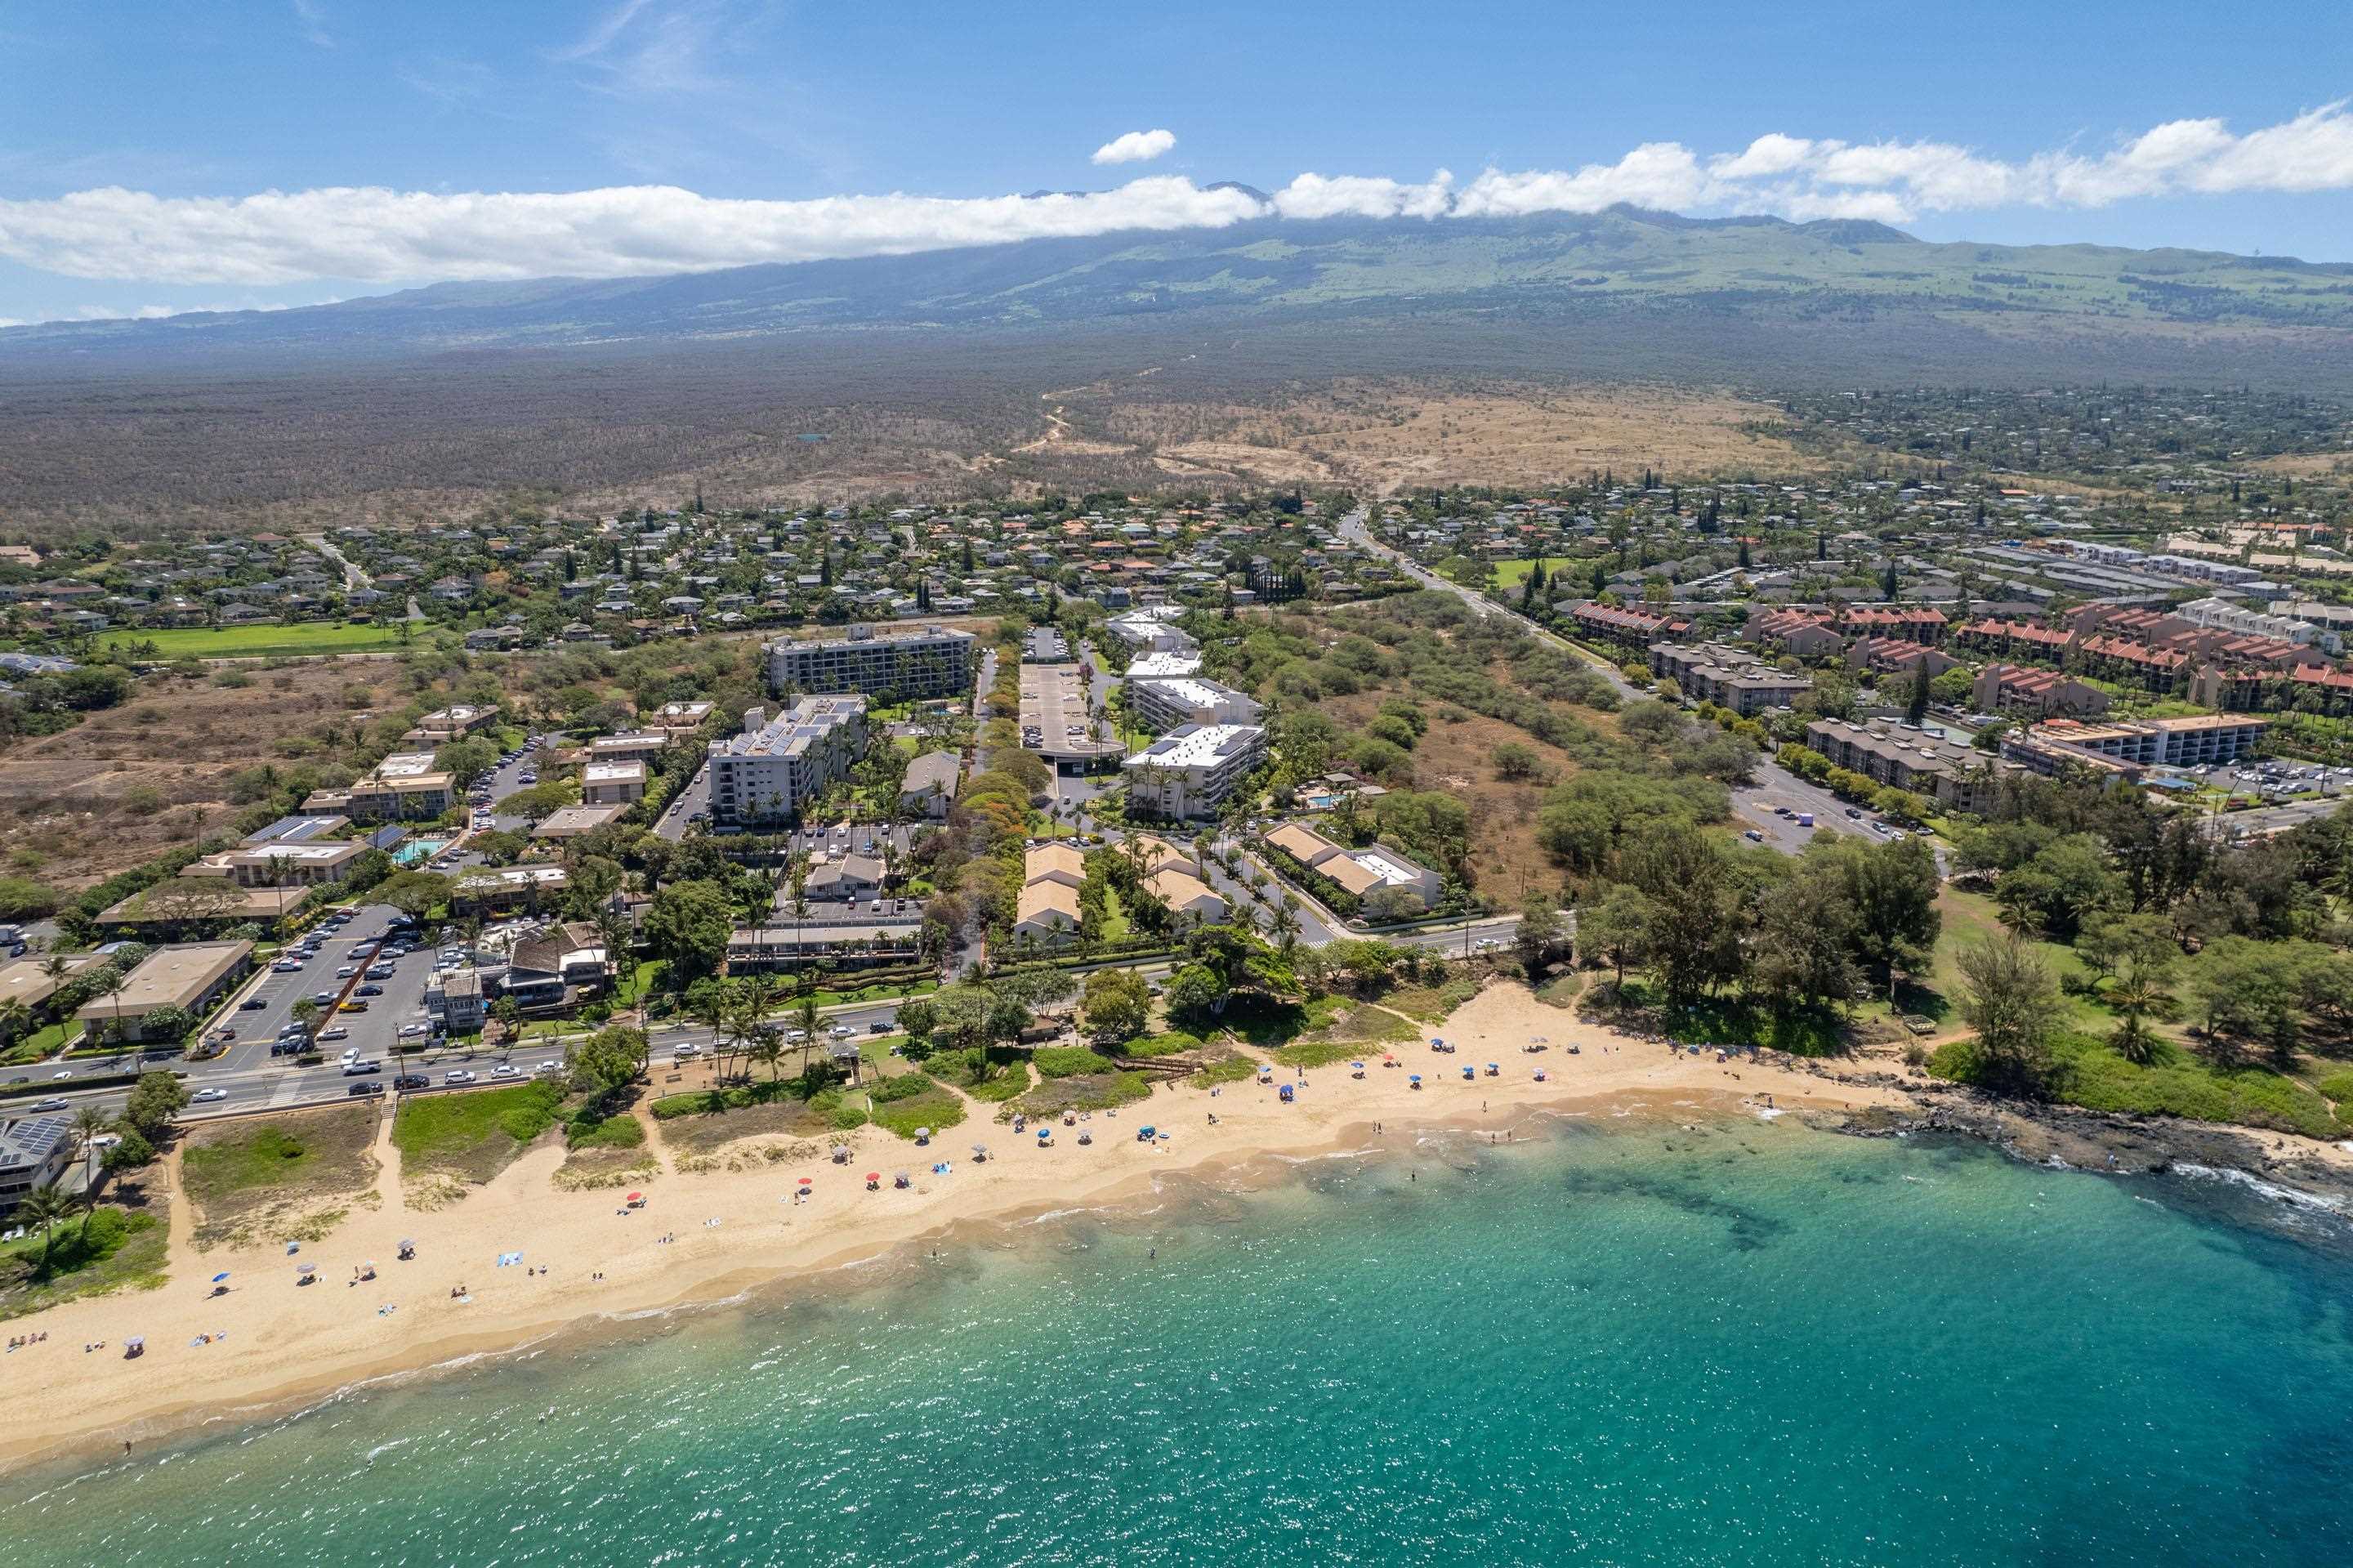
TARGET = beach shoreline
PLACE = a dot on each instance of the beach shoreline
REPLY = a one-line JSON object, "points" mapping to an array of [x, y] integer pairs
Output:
{"points": [[712, 1239]]}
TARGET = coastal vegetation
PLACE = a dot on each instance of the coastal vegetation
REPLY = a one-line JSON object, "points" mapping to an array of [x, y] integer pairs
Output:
{"points": [[105, 1248], [293, 1174]]}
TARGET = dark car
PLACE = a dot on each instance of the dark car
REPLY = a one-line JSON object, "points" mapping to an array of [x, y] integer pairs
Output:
{"points": [[360, 1090], [412, 1080], [252, 1004], [369, 991]]}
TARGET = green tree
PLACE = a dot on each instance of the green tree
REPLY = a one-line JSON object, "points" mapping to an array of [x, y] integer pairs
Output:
{"points": [[687, 926], [43, 1209], [128, 1153], [155, 1100], [1117, 1005], [2010, 999], [1615, 931], [609, 1060], [1194, 993]]}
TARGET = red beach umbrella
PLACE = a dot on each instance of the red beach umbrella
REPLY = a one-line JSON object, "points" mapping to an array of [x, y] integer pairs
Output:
{"points": [[635, 1196], [807, 1182]]}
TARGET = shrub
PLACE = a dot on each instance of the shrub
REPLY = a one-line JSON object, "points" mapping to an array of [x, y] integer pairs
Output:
{"points": [[904, 1087], [1068, 1061]]}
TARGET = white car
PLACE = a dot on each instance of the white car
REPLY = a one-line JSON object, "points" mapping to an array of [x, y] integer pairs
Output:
{"points": [[551, 1066], [337, 1031], [415, 1031], [206, 1097], [506, 1070], [840, 1031], [67, 1074], [457, 1075]]}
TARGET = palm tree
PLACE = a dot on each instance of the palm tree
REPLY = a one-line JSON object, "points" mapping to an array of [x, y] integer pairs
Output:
{"points": [[2138, 994], [88, 1123], [713, 1011], [44, 1206], [1284, 923], [809, 1021], [15, 1020]]}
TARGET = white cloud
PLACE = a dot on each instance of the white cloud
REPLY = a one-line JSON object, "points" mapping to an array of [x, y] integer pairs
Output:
{"points": [[386, 237], [1358, 195], [1135, 147]]}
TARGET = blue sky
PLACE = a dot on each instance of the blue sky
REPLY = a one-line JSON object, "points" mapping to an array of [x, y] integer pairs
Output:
{"points": [[140, 141]]}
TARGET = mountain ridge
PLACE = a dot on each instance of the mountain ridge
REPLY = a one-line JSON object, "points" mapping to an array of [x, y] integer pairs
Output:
{"points": [[1276, 269]]}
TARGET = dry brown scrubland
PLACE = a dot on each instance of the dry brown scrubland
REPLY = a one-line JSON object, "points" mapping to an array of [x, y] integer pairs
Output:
{"points": [[126, 784]]}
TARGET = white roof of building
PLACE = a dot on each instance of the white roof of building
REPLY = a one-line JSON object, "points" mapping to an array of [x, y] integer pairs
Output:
{"points": [[1196, 745], [1162, 666]]}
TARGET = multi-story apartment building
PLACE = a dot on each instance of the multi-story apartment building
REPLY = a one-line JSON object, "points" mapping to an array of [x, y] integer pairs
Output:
{"points": [[2200, 740], [1907, 758], [405, 785], [930, 662], [1727, 676], [1163, 704], [1191, 770], [766, 773]]}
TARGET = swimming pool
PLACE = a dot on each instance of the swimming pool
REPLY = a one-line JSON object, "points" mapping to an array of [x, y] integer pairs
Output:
{"points": [[416, 850]]}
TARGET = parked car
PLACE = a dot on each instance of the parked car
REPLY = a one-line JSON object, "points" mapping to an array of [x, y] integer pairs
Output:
{"points": [[457, 1075], [354, 1005], [51, 1104], [252, 1004], [412, 1080], [506, 1070], [369, 991], [358, 1091], [346, 971]]}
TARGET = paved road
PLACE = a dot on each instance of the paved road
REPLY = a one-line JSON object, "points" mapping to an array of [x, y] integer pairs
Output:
{"points": [[2276, 819], [507, 778], [679, 814]]}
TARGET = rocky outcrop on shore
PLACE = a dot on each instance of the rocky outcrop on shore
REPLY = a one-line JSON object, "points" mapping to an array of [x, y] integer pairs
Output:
{"points": [[2059, 1135]]}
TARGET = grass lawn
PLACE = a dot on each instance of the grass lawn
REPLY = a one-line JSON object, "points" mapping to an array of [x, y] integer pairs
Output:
{"points": [[1970, 919], [1230, 1067], [42, 1041], [1432, 1004], [473, 1135], [1512, 573], [708, 1119], [1114, 927], [105, 1251], [301, 639], [2177, 1083], [912, 1100], [238, 1173], [644, 978]]}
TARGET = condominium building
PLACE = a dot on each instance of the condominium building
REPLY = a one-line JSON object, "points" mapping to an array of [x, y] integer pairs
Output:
{"points": [[931, 662], [1152, 630], [1164, 703], [2221, 615], [612, 783], [403, 785], [455, 722], [1191, 770], [2199, 741], [766, 773], [1360, 871], [1632, 628], [281, 864], [190, 978], [1909, 758], [1727, 676]]}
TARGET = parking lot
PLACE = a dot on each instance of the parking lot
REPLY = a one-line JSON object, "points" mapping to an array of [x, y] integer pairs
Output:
{"points": [[373, 1031]]}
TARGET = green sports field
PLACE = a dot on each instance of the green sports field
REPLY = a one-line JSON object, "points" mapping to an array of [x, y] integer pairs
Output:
{"points": [[258, 642]]}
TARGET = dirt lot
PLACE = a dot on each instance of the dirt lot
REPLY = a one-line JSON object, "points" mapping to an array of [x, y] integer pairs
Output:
{"points": [[125, 784], [1456, 757], [1385, 436]]}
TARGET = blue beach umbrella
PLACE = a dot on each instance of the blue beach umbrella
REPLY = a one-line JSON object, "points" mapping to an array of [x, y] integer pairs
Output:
{"points": [[218, 1278]]}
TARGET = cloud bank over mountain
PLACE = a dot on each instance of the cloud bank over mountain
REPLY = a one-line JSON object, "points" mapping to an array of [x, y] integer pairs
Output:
{"points": [[373, 235]]}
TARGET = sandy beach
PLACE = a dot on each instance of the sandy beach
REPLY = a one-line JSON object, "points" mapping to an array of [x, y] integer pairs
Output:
{"points": [[276, 1343]]}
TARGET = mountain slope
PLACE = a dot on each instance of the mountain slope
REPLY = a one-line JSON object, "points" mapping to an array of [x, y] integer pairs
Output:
{"points": [[1276, 271]]}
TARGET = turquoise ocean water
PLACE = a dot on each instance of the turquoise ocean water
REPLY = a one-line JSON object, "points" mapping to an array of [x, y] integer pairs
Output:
{"points": [[1753, 1344]]}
